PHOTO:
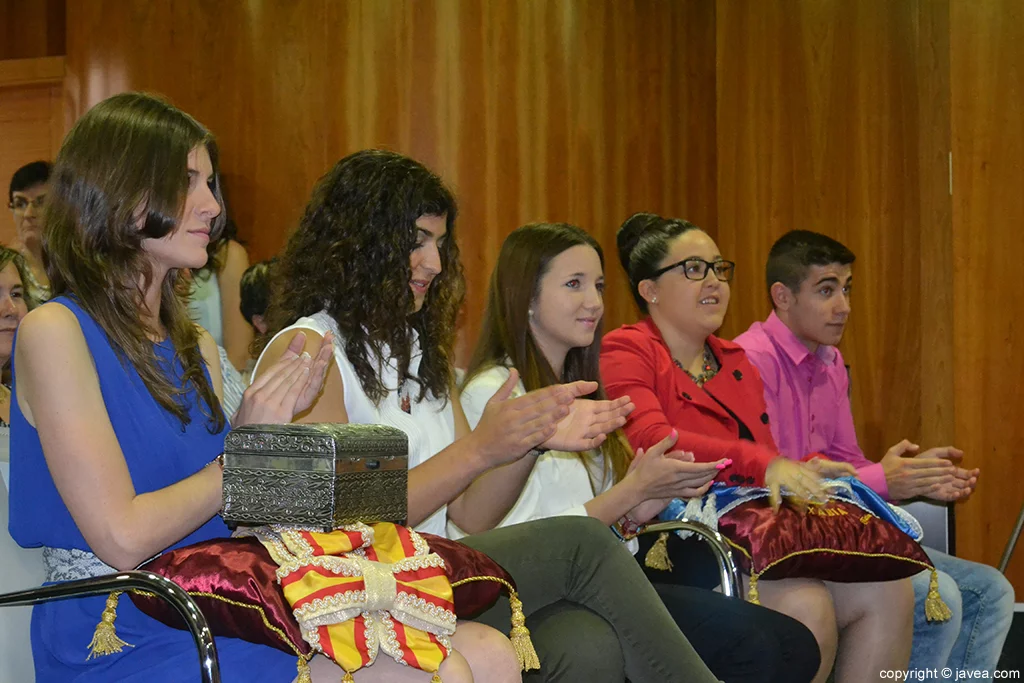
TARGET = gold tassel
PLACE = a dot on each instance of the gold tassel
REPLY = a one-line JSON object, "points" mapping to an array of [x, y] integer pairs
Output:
{"points": [[104, 639], [435, 678], [520, 635], [753, 596], [347, 678], [935, 609], [304, 675], [657, 556]]}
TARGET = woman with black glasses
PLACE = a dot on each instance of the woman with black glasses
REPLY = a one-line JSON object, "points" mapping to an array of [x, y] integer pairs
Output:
{"points": [[680, 376]]}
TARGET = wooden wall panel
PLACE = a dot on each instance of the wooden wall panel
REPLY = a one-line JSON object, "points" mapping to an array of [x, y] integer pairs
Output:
{"points": [[819, 127], [987, 74], [533, 110], [31, 28]]}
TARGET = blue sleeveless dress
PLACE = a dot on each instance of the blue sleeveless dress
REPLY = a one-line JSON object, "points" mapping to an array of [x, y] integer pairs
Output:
{"points": [[159, 453]]}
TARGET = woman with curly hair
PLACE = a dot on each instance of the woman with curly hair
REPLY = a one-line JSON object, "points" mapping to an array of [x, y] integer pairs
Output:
{"points": [[375, 264]]}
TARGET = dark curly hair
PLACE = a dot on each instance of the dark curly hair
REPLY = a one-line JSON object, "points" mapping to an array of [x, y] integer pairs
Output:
{"points": [[350, 256]]}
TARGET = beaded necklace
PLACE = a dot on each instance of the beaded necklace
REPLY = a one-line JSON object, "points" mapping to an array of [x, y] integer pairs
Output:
{"points": [[709, 368]]}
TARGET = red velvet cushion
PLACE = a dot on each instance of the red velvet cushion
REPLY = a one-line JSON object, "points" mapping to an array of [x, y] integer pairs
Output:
{"points": [[835, 542], [234, 582]]}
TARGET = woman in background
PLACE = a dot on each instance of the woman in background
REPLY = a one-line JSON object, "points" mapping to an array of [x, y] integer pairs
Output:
{"points": [[27, 200]]}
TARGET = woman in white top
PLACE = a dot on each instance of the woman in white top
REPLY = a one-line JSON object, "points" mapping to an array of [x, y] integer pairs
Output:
{"points": [[543, 319], [374, 265]]}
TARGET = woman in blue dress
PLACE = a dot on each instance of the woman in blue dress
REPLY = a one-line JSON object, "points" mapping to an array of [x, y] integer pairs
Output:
{"points": [[117, 422]]}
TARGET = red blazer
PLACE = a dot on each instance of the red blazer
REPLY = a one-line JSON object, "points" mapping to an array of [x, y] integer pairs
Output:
{"points": [[635, 362]]}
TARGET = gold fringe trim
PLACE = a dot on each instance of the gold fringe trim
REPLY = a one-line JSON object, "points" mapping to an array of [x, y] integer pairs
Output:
{"points": [[657, 556], [304, 674], [935, 608], [104, 639], [753, 596]]}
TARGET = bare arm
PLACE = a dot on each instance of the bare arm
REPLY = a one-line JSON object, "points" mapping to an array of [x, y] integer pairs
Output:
{"points": [[237, 332], [433, 483], [59, 393], [489, 497]]}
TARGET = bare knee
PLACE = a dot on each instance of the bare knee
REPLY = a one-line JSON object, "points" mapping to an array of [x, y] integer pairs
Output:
{"points": [[889, 604], [809, 602], [489, 653]]}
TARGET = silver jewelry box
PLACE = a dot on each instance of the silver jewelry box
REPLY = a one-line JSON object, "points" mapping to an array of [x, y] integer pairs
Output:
{"points": [[315, 475]]}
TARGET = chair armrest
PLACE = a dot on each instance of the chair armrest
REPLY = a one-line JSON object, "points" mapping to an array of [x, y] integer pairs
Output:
{"points": [[142, 580], [726, 566]]}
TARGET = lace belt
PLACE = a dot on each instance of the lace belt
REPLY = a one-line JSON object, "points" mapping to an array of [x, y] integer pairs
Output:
{"points": [[70, 564]]}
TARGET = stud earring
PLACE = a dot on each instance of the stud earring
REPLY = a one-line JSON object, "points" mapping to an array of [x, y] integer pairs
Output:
{"points": [[530, 312], [654, 299]]}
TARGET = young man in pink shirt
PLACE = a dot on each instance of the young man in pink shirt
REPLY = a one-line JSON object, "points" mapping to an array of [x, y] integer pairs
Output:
{"points": [[806, 388]]}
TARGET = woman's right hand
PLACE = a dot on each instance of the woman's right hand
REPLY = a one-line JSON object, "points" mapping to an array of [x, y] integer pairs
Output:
{"points": [[288, 388], [661, 475], [510, 427], [798, 479]]}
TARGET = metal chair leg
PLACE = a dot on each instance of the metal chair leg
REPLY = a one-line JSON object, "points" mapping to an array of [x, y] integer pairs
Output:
{"points": [[727, 570], [142, 580]]}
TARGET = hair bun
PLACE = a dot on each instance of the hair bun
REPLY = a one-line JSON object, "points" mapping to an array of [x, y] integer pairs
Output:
{"points": [[629, 234]]}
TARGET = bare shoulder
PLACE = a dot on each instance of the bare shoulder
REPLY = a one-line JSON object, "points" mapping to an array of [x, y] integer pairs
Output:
{"points": [[276, 348], [48, 329], [236, 258]]}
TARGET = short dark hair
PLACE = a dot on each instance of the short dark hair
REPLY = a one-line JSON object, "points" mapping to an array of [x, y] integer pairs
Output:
{"points": [[28, 176], [794, 253], [255, 289]]}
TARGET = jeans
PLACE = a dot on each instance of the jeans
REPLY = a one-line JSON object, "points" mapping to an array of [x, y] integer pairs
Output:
{"points": [[981, 600], [576, 580]]}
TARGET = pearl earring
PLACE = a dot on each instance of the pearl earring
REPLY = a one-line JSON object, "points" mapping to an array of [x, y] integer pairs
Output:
{"points": [[654, 299], [530, 312]]}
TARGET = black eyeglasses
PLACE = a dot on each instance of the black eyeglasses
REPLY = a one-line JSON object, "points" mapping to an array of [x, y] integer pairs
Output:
{"points": [[695, 268]]}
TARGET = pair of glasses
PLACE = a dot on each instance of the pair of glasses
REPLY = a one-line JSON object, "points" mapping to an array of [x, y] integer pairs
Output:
{"points": [[695, 268], [21, 204]]}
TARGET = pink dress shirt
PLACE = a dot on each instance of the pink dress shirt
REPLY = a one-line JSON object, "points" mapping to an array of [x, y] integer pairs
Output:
{"points": [[808, 400]]}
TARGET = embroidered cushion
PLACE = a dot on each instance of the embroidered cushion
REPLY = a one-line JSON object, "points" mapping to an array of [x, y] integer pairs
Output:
{"points": [[854, 537], [235, 583]]}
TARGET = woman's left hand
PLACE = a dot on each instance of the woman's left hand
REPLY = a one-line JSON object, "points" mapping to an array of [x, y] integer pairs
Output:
{"points": [[288, 388], [589, 422]]}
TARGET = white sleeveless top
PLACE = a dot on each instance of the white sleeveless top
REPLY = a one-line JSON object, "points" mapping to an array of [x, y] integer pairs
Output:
{"points": [[430, 425]]}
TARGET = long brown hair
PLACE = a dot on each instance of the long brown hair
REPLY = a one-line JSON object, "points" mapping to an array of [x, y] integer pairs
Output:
{"points": [[350, 257], [128, 154], [505, 336]]}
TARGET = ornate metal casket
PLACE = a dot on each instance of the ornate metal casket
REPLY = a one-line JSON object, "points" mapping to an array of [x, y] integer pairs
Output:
{"points": [[315, 475]]}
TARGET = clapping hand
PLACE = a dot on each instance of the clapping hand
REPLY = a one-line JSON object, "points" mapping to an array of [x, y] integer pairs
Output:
{"points": [[931, 474], [662, 475], [289, 387], [589, 422]]}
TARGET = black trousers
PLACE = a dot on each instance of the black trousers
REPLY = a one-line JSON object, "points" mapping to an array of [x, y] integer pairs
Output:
{"points": [[740, 642]]}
